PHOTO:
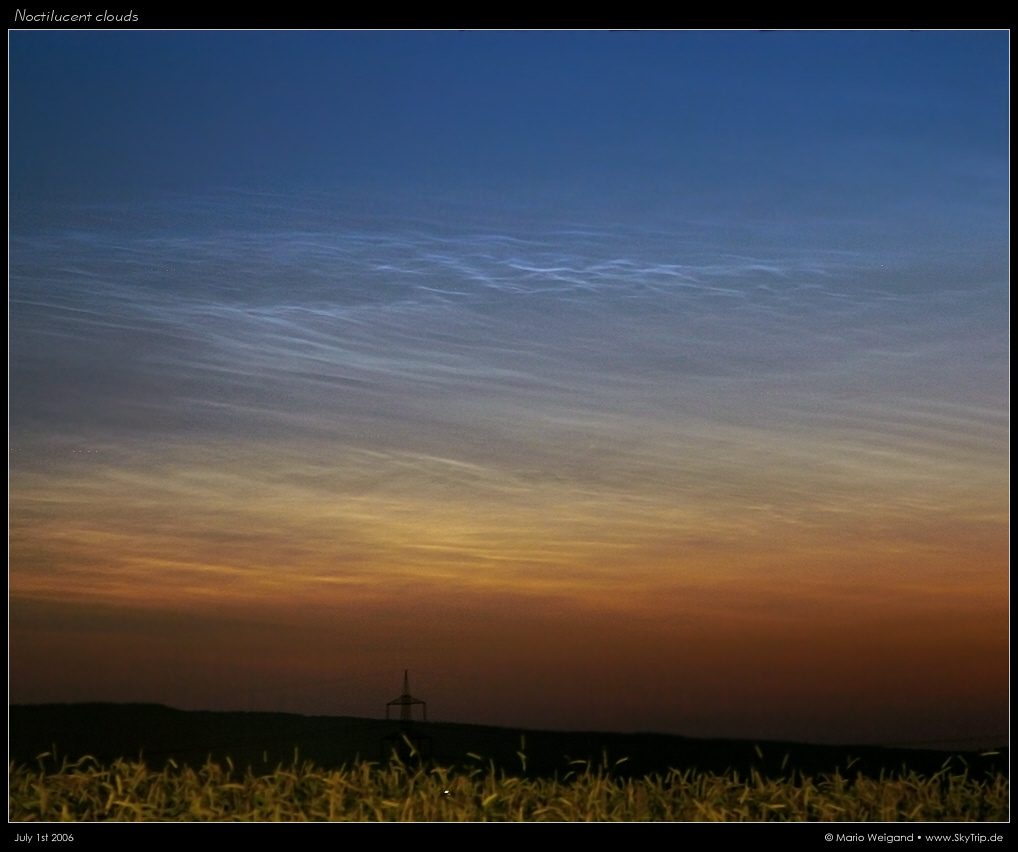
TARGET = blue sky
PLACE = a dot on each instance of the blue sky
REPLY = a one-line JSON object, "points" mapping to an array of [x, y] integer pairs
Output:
{"points": [[843, 120]]}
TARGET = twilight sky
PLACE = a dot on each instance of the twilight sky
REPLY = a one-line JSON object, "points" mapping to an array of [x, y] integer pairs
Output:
{"points": [[621, 381]]}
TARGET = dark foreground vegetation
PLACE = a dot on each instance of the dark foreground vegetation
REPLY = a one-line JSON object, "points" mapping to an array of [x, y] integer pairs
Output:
{"points": [[397, 791], [148, 762], [158, 734]]}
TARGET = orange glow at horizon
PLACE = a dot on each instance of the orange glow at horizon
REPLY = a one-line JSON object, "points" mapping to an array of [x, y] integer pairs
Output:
{"points": [[713, 601]]}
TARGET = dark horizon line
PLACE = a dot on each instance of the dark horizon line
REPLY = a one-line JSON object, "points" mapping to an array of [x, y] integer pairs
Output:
{"points": [[999, 741]]}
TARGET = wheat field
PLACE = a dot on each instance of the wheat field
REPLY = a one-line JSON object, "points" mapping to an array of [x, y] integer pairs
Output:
{"points": [[402, 791]]}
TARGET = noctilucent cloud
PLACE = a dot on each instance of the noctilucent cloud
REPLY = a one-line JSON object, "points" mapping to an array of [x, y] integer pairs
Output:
{"points": [[623, 381]]}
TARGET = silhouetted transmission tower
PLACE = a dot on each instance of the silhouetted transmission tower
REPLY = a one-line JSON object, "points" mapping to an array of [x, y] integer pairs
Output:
{"points": [[405, 702], [406, 742]]}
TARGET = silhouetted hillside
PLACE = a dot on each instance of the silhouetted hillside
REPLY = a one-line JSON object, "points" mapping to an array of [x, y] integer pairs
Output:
{"points": [[263, 740]]}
